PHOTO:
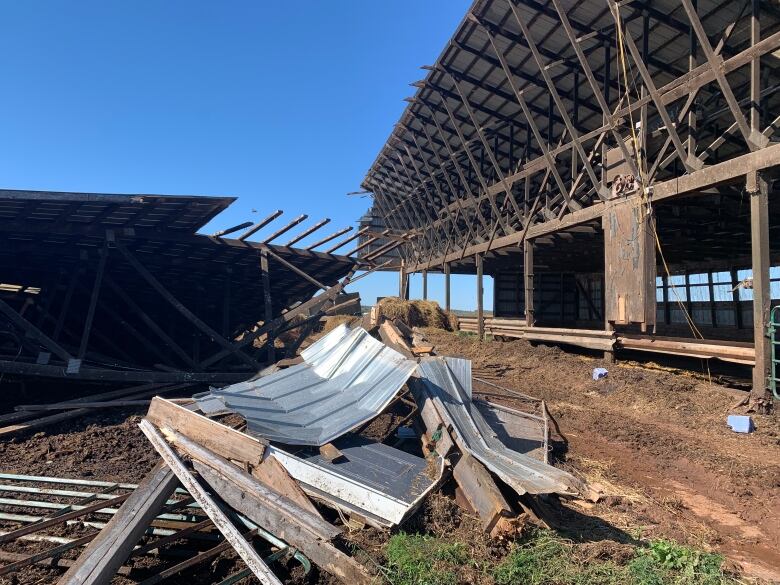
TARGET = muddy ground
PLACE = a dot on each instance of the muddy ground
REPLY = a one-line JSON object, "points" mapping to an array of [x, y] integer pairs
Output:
{"points": [[655, 442]]}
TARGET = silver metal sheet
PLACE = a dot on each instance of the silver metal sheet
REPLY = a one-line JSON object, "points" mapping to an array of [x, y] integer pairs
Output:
{"points": [[379, 482], [446, 382], [346, 379], [519, 431]]}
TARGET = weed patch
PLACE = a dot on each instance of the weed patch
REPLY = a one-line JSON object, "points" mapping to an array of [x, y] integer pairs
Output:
{"points": [[424, 560], [543, 558]]}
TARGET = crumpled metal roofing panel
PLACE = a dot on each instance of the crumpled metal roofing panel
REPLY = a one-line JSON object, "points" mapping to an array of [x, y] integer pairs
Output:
{"points": [[447, 382], [381, 483], [346, 379]]}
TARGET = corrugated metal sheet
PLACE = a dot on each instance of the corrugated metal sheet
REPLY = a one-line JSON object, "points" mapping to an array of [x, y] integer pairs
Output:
{"points": [[346, 378], [380, 483], [447, 383]]}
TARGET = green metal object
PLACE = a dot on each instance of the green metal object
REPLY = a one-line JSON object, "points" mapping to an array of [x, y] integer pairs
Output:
{"points": [[774, 341]]}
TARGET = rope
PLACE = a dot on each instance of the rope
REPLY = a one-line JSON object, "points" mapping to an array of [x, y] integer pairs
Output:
{"points": [[644, 200]]}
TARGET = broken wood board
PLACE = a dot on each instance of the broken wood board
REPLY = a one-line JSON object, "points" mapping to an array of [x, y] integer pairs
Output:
{"points": [[226, 442], [244, 549], [482, 494], [422, 350], [99, 562], [277, 508], [243, 498], [392, 337], [273, 474], [329, 452]]}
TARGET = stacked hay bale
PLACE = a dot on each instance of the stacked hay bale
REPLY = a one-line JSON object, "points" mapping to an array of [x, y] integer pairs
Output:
{"points": [[417, 313]]}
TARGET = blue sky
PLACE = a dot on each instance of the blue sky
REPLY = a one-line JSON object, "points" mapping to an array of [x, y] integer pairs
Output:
{"points": [[284, 105]]}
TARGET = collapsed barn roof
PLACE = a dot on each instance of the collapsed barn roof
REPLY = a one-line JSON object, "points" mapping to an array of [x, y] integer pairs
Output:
{"points": [[152, 271]]}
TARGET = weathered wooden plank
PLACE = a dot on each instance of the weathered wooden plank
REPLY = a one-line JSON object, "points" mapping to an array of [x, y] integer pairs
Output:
{"points": [[273, 474], [246, 500], [392, 337], [629, 260], [244, 549], [110, 549], [481, 492], [278, 507], [226, 442]]}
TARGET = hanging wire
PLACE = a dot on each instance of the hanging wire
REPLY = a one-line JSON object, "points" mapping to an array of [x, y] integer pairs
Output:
{"points": [[645, 201]]}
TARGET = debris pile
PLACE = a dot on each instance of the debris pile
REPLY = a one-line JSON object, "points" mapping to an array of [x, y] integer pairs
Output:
{"points": [[357, 433]]}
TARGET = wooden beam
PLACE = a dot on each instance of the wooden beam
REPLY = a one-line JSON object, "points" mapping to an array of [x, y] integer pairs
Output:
{"points": [[312, 304], [221, 439], [758, 189], [189, 315], [714, 175], [244, 549], [308, 232], [480, 294], [33, 332], [101, 268], [149, 322], [447, 306], [295, 269], [45, 421], [528, 280], [268, 309], [260, 225], [99, 562], [482, 494]]}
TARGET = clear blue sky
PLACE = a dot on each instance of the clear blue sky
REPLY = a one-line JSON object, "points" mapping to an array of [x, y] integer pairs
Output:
{"points": [[282, 104]]}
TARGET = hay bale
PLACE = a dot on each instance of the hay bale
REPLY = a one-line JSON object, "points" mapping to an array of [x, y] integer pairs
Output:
{"points": [[416, 313]]}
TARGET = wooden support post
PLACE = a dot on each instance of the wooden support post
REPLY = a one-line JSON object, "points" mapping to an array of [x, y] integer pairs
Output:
{"points": [[425, 285], [111, 547], [447, 304], [93, 303], [403, 282], [528, 277], [758, 188], [66, 305], [268, 305], [480, 312]]}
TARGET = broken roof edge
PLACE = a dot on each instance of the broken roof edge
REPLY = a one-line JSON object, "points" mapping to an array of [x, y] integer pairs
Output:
{"points": [[347, 378], [447, 389]]}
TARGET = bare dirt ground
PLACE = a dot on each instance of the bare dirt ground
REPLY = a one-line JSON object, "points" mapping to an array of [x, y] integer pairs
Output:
{"points": [[658, 444], [654, 441]]}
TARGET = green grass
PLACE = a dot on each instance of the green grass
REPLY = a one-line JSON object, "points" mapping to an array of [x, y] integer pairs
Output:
{"points": [[543, 558], [413, 559]]}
